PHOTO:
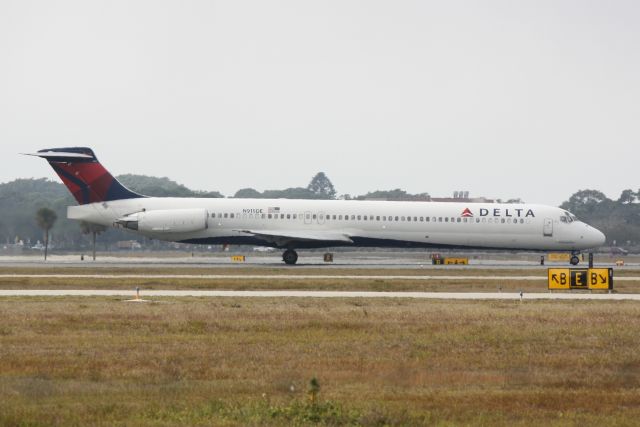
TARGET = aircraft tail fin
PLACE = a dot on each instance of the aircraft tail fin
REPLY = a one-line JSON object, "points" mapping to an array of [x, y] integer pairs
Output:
{"points": [[84, 176]]}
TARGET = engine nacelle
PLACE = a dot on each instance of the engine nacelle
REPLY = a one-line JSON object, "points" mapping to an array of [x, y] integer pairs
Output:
{"points": [[166, 221]]}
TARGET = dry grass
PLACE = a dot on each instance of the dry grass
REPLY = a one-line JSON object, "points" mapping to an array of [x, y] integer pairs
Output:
{"points": [[482, 284], [195, 361]]}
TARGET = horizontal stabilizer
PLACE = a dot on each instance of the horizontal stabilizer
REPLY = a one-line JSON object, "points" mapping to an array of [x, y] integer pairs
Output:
{"points": [[53, 155]]}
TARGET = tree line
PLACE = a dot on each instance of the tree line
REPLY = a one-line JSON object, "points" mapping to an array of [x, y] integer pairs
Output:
{"points": [[22, 201]]}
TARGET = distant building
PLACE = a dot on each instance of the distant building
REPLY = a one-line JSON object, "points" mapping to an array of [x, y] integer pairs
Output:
{"points": [[462, 196], [128, 244], [458, 196]]}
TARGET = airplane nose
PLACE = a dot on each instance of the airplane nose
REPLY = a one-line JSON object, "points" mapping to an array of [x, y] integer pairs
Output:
{"points": [[596, 237]]}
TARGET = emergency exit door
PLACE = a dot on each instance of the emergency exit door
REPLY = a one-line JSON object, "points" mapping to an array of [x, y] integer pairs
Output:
{"points": [[547, 228]]}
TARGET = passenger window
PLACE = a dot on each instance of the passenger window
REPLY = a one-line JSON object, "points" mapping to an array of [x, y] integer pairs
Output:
{"points": [[502, 220], [353, 217], [226, 215], [359, 217], [446, 219], [408, 218], [314, 216], [365, 218], [477, 219], [377, 217], [397, 218], [264, 216], [270, 216], [402, 218], [421, 219], [334, 217], [439, 219], [459, 220], [295, 216], [308, 216], [340, 217], [427, 219], [521, 221]]}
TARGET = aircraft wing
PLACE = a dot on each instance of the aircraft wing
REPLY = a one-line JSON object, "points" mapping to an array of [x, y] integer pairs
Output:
{"points": [[283, 237]]}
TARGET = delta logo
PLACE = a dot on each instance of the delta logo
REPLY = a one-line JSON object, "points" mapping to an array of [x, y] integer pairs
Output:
{"points": [[499, 212]]}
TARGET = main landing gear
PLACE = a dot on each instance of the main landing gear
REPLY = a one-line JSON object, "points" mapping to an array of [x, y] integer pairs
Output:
{"points": [[290, 257]]}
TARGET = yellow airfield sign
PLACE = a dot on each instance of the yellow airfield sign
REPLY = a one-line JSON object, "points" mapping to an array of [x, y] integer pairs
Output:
{"points": [[580, 278], [559, 278], [559, 256], [456, 261], [600, 278]]}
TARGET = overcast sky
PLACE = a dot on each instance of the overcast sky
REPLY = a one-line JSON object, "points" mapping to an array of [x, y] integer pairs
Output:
{"points": [[504, 99]]}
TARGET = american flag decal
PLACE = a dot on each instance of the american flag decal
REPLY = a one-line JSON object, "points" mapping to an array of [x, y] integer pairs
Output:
{"points": [[273, 210], [466, 213]]}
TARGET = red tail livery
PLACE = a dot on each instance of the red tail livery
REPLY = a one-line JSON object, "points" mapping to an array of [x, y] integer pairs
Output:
{"points": [[84, 176]]}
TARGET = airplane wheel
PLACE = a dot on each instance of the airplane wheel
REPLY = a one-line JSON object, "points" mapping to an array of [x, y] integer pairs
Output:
{"points": [[574, 260], [290, 257]]}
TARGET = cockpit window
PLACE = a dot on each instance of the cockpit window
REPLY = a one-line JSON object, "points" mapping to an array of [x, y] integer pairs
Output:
{"points": [[568, 217]]}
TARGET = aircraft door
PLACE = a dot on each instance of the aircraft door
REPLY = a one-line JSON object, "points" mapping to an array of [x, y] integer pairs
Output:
{"points": [[547, 228], [307, 217], [321, 218]]}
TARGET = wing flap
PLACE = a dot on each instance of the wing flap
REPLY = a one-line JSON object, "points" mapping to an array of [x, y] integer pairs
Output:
{"points": [[283, 237]]}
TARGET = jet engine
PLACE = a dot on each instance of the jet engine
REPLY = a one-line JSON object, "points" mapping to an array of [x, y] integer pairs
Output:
{"points": [[166, 221]]}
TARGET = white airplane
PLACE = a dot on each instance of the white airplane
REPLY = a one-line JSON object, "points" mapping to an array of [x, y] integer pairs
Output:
{"points": [[297, 224]]}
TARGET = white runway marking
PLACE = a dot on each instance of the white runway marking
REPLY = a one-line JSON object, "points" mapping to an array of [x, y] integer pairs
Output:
{"points": [[323, 294], [272, 276]]}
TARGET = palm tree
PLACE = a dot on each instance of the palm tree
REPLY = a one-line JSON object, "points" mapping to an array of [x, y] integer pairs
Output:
{"points": [[45, 218], [94, 229]]}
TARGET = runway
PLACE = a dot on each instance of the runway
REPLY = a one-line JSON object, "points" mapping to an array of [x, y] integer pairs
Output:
{"points": [[320, 294], [347, 260], [281, 277]]}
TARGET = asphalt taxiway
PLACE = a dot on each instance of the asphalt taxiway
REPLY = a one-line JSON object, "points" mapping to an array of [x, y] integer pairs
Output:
{"points": [[314, 260], [283, 277]]}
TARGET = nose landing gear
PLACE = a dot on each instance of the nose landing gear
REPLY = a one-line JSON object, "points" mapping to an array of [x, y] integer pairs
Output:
{"points": [[290, 257], [574, 260]]}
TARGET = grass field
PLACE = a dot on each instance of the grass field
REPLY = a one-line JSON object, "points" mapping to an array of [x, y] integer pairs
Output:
{"points": [[189, 361], [537, 281]]}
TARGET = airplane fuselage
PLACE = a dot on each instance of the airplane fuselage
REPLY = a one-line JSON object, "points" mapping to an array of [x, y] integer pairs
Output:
{"points": [[324, 223]]}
